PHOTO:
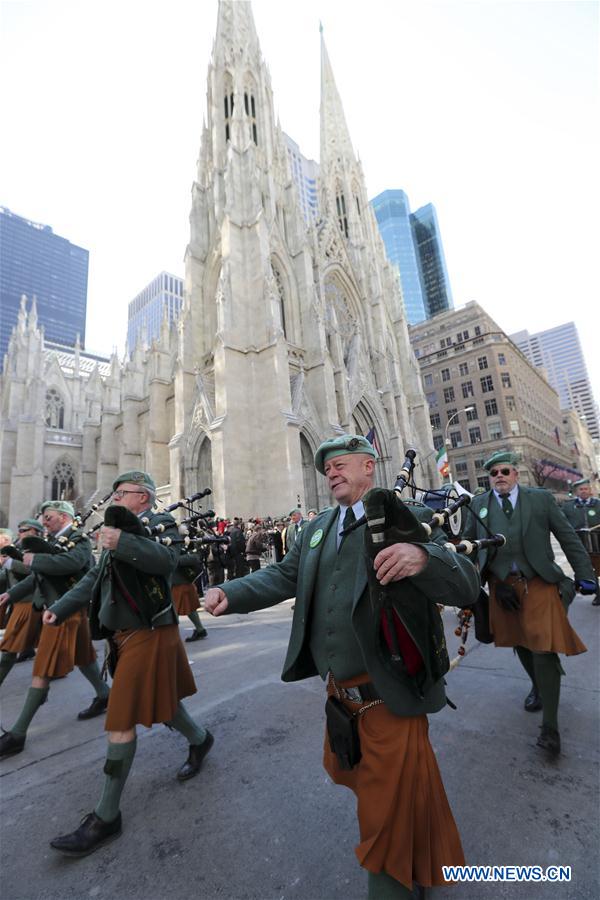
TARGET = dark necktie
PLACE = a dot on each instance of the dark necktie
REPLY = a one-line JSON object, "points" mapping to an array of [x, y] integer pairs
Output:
{"points": [[507, 506], [349, 518]]}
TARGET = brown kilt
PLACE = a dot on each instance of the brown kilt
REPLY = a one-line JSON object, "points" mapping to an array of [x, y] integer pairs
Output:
{"points": [[62, 647], [152, 676], [23, 629], [541, 624], [595, 561], [406, 826], [185, 599]]}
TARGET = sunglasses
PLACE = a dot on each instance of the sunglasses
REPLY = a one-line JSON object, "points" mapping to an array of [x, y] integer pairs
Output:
{"points": [[495, 472], [23, 530]]}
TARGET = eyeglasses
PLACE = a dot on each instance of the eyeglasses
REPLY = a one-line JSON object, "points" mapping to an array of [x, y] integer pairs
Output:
{"points": [[495, 472], [23, 530], [120, 494]]}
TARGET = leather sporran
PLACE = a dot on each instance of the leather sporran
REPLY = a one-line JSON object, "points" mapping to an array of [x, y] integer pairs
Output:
{"points": [[342, 731]]}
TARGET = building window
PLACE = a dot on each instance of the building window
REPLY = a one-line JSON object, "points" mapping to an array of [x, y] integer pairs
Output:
{"points": [[448, 395], [478, 340], [441, 354], [483, 481], [467, 389], [428, 380], [462, 336], [472, 413], [464, 482], [502, 359], [514, 427], [487, 384], [478, 463], [510, 403], [460, 467], [228, 112], [55, 411], [445, 374], [450, 412], [494, 431], [435, 420], [491, 408], [475, 435], [340, 202], [505, 379], [63, 481], [477, 330], [431, 398], [456, 439], [482, 362], [438, 441], [463, 369]]}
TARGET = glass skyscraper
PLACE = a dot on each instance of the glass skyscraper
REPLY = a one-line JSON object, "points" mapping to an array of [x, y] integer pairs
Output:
{"points": [[305, 173], [35, 261], [146, 311], [392, 212], [435, 284]]}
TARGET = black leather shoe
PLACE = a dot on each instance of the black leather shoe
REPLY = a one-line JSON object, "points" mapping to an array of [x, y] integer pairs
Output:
{"points": [[25, 655], [533, 701], [196, 636], [11, 743], [92, 833], [596, 601], [549, 740], [196, 755], [96, 708]]}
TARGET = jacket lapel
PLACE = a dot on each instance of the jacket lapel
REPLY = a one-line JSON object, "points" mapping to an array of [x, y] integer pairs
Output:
{"points": [[526, 504], [313, 555]]}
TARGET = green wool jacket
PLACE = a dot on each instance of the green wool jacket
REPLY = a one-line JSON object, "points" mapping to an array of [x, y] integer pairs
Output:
{"points": [[145, 567], [582, 516], [540, 517], [10, 577], [54, 573], [447, 578]]}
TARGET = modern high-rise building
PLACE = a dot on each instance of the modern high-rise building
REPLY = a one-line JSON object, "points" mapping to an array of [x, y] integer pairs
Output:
{"points": [[558, 351], [36, 262], [147, 309], [435, 283], [305, 173], [392, 212]]}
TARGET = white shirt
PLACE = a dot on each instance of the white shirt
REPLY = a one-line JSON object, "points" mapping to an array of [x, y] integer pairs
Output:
{"points": [[359, 511], [513, 496]]}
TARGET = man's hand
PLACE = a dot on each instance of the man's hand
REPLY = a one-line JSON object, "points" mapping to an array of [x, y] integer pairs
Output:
{"points": [[215, 601], [28, 559], [48, 618], [109, 537], [4, 598], [399, 561]]}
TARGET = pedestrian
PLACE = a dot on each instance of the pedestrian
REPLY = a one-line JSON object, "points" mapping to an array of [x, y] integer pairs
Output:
{"points": [[529, 592], [236, 551], [185, 593], [131, 602], [407, 831], [294, 529], [255, 547], [583, 512], [25, 622]]}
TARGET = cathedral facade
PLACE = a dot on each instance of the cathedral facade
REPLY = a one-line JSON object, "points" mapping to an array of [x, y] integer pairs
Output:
{"points": [[289, 333]]}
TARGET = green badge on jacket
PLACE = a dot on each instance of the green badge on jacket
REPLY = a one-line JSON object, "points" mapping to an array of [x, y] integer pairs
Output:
{"points": [[592, 512], [316, 538], [483, 512]]}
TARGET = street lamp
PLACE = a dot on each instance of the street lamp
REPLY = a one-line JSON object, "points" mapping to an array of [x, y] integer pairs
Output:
{"points": [[447, 441]]}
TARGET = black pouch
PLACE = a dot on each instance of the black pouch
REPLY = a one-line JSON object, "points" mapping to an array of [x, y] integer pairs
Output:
{"points": [[507, 597], [111, 655], [342, 730]]}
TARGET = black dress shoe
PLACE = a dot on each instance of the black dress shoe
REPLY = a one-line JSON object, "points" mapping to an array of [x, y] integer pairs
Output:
{"points": [[11, 743], [96, 708], [533, 701], [25, 655], [196, 755], [196, 636], [549, 740], [596, 601], [92, 833]]}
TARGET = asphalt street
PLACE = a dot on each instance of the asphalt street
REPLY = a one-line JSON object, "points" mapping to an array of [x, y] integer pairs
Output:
{"points": [[262, 821]]}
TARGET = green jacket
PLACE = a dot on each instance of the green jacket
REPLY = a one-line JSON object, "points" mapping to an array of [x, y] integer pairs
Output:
{"points": [[540, 517], [145, 568], [447, 578], [580, 515], [10, 577], [189, 566], [52, 574]]}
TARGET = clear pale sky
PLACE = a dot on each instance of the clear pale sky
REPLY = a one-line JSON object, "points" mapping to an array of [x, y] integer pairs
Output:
{"points": [[489, 110]]}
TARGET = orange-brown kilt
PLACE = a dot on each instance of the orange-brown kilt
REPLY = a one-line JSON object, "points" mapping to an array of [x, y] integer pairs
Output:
{"points": [[406, 825], [185, 599], [152, 676], [62, 647], [540, 625], [23, 629], [595, 561]]}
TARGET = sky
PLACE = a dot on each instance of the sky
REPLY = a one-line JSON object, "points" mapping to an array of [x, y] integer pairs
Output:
{"points": [[488, 109]]}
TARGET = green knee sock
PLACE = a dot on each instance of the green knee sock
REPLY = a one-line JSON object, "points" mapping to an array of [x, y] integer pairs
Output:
{"points": [[185, 725], [34, 699], [195, 620], [7, 661], [383, 887], [119, 758], [92, 673], [526, 658], [548, 671]]}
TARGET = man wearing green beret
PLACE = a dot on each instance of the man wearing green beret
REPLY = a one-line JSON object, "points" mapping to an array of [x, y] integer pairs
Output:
{"points": [[529, 592], [25, 622], [335, 634], [131, 605], [54, 569], [294, 529], [583, 512]]}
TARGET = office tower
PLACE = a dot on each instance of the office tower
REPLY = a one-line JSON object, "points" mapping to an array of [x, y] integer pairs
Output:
{"points": [[36, 262], [305, 173], [392, 212], [163, 295], [435, 284], [559, 352]]}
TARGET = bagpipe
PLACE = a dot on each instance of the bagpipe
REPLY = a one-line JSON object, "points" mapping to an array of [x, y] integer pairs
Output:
{"points": [[80, 520]]}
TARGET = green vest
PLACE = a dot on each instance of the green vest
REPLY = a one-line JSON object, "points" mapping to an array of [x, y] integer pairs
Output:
{"points": [[333, 643], [511, 555]]}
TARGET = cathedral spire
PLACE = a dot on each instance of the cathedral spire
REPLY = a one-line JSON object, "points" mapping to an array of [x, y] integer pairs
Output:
{"points": [[236, 33], [336, 145]]}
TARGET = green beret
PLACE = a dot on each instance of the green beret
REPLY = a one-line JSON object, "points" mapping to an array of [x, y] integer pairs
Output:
{"points": [[340, 446], [581, 482], [62, 506], [32, 523], [137, 477], [295, 510], [502, 456]]}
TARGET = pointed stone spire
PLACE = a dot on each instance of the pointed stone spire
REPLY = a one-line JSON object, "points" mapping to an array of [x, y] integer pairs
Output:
{"points": [[335, 137], [32, 321], [236, 33], [22, 315], [77, 350]]}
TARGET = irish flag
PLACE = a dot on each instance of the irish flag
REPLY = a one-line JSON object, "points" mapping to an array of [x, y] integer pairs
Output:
{"points": [[442, 462]]}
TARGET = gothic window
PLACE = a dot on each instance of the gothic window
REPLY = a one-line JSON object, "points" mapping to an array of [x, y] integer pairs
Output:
{"points": [[281, 294], [228, 104], [340, 203], [337, 300], [63, 481], [55, 410]]}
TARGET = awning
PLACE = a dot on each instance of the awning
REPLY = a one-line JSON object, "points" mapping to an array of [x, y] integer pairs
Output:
{"points": [[558, 472]]}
